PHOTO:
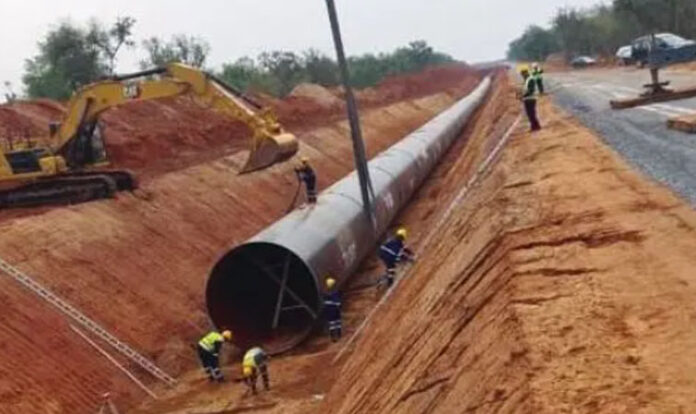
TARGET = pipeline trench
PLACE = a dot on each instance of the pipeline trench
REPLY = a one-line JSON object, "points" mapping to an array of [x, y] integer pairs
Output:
{"points": [[137, 265], [560, 281]]}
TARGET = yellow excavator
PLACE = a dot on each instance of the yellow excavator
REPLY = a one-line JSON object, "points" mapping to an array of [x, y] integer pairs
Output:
{"points": [[67, 166]]}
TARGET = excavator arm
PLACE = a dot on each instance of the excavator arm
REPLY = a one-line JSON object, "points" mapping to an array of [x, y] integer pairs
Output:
{"points": [[79, 141]]}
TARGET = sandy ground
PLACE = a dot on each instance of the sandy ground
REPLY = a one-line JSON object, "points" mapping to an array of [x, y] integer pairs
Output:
{"points": [[138, 264], [564, 284], [301, 379]]}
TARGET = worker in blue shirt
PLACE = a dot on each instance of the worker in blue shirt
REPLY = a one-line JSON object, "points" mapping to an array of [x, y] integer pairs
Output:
{"points": [[332, 309], [393, 252], [306, 175]]}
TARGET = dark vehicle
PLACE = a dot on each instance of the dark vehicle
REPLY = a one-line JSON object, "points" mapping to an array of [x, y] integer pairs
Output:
{"points": [[642, 46]]}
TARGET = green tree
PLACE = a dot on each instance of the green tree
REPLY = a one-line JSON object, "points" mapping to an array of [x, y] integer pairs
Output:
{"points": [[244, 74], [536, 44], [320, 69], [180, 48], [367, 70], [111, 40], [286, 68], [67, 59], [10, 95]]}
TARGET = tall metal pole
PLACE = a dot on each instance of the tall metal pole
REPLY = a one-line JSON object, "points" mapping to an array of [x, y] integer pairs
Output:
{"points": [[353, 117]]}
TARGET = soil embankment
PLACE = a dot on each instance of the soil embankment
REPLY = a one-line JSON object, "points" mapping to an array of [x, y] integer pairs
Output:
{"points": [[564, 283], [302, 378], [138, 264]]}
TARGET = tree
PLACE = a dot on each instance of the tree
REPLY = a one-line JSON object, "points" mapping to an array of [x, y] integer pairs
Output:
{"points": [[320, 69], [285, 67], [181, 48], [10, 95], [536, 44], [112, 40], [68, 58], [244, 74]]}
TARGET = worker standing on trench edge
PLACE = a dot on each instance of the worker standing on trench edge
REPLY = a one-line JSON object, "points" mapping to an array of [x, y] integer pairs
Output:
{"points": [[209, 353], [538, 75], [529, 98], [306, 175], [393, 252], [255, 364], [332, 309]]}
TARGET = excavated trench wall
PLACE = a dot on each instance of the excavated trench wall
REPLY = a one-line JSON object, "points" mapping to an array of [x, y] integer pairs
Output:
{"points": [[138, 264], [268, 290]]}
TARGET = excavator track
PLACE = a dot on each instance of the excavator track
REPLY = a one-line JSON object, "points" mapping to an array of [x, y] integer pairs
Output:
{"points": [[66, 189]]}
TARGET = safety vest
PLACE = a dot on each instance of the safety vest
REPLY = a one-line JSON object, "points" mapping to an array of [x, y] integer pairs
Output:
{"points": [[208, 342], [529, 84], [250, 357], [536, 73]]}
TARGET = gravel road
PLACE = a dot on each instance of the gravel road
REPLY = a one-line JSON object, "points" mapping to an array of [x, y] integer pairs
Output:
{"points": [[639, 134]]}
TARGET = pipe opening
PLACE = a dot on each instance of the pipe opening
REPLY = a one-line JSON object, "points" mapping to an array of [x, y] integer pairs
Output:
{"points": [[265, 294]]}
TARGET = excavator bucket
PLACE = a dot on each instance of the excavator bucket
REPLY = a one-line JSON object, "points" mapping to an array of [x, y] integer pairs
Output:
{"points": [[270, 150]]}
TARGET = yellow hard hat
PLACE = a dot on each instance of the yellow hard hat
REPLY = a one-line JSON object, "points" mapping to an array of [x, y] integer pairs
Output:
{"points": [[330, 282], [246, 371], [304, 160], [227, 335], [522, 68], [402, 233]]}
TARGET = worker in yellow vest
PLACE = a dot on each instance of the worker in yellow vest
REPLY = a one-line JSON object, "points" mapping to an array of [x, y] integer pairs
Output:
{"points": [[529, 98], [255, 364], [209, 353], [538, 75]]}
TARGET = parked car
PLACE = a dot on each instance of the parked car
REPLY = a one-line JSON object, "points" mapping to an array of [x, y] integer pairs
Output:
{"points": [[642, 46], [583, 62], [625, 55]]}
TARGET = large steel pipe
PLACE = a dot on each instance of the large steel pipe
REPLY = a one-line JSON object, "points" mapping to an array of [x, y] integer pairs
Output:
{"points": [[268, 290]]}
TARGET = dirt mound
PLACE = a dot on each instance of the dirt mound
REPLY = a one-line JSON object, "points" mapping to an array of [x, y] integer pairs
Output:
{"points": [[138, 264], [155, 137], [317, 93]]}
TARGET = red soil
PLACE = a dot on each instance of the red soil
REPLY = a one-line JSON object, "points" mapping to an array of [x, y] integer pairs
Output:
{"points": [[138, 264]]}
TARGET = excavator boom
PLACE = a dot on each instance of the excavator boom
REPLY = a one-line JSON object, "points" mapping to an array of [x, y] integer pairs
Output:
{"points": [[60, 169]]}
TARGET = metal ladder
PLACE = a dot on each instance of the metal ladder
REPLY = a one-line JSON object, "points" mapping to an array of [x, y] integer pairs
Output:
{"points": [[86, 322]]}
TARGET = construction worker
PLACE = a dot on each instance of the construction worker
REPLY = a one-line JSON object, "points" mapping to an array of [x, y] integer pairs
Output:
{"points": [[538, 74], [209, 350], [255, 363], [306, 175], [332, 309], [529, 98], [393, 252]]}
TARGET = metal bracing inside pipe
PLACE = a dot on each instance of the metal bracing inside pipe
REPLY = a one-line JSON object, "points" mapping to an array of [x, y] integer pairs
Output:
{"points": [[250, 286]]}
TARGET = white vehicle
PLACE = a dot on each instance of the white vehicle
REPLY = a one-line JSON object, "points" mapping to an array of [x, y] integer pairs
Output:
{"points": [[625, 55], [583, 62]]}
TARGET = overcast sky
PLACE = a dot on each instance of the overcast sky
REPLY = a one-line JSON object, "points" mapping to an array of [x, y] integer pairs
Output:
{"points": [[470, 30]]}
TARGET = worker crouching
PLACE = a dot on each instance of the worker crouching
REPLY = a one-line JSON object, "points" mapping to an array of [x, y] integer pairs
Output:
{"points": [[255, 364], [393, 252], [332, 310], [306, 175], [209, 353]]}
